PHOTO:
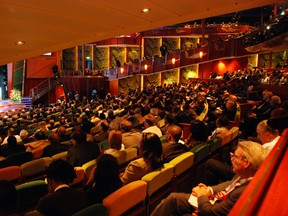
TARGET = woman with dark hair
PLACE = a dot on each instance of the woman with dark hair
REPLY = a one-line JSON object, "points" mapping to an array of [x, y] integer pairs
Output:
{"points": [[198, 134], [104, 179], [150, 158]]}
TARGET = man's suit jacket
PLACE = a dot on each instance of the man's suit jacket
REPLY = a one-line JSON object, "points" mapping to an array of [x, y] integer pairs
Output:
{"points": [[222, 207], [171, 150], [80, 154], [63, 202]]}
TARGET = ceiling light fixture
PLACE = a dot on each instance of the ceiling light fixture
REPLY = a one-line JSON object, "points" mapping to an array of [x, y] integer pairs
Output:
{"points": [[145, 10], [20, 43]]}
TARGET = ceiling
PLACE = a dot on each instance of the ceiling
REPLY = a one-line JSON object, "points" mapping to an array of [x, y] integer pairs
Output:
{"points": [[53, 25]]}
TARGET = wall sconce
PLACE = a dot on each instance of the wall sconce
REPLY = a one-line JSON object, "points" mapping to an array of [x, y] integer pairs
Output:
{"points": [[173, 61], [122, 70], [201, 54], [145, 67]]}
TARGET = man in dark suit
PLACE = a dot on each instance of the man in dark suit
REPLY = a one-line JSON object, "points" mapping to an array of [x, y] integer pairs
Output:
{"points": [[172, 148], [81, 151], [55, 147], [62, 200], [219, 199]]}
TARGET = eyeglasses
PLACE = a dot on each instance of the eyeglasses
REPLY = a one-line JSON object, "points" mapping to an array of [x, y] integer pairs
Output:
{"points": [[232, 155]]}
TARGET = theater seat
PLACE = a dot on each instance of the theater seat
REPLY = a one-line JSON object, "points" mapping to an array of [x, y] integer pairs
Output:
{"points": [[214, 144], [93, 210], [201, 152], [61, 155], [11, 173], [88, 167], [129, 197]]}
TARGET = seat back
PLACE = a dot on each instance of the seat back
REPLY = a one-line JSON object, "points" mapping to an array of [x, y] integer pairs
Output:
{"points": [[61, 155], [88, 167], [104, 145], [29, 194], [11, 173], [186, 130], [214, 144], [234, 132], [201, 152], [125, 155], [95, 209], [182, 163], [80, 176], [38, 152], [226, 137], [18, 159], [125, 198], [35, 168], [158, 178]]}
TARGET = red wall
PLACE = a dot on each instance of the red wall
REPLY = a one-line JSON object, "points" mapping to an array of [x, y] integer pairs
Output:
{"points": [[41, 66], [221, 66]]}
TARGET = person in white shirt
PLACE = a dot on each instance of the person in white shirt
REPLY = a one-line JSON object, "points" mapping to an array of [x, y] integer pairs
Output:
{"points": [[150, 126], [267, 135]]}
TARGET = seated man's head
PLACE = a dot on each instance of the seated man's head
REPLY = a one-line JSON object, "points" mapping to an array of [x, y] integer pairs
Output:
{"points": [[173, 133], [247, 158], [265, 133], [59, 172]]}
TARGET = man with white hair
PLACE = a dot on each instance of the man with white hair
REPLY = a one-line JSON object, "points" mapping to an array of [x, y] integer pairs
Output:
{"points": [[218, 199]]}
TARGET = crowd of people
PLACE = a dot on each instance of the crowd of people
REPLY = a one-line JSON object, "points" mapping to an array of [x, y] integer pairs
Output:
{"points": [[149, 120]]}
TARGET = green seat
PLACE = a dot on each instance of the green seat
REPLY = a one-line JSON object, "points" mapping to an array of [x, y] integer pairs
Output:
{"points": [[96, 209], [214, 144], [30, 193], [104, 145], [201, 152]]}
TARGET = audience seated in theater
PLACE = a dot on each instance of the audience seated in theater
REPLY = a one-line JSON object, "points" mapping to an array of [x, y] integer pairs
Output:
{"points": [[40, 141], [52, 125], [81, 151], [11, 132], [198, 105], [12, 147], [96, 129], [115, 142], [62, 200], [8, 198], [55, 147], [154, 112], [198, 134], [222, 123], [114, 121], [264, 105], [172, 148], [186, 115], [24, 135], [245, 161], [130, 137], [169, 120], [150, 151], [61, 132], [267, 135], [43, 128], [86, 125], [150, 126], [104, 179], [103, 133]]}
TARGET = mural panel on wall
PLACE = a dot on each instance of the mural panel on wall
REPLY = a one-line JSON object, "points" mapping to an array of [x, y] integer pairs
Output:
{"points": [[172, 44], [153, 79], [132, 82], [152, 47], [252, 61], [279, 59], [188, 43], [189, 72], [80, 58], [101, 58], [171, 76], [133, 54], [264, 60], [69, 59], [118, 53]]}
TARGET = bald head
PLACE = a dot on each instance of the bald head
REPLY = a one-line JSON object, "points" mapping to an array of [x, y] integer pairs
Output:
{"points": [[174, 133]]}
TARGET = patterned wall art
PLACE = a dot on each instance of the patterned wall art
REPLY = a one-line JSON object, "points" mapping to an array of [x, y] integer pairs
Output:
{"points": [[252, 61], [279, 59], [69, 59], [171, 76], [189, 72], [188, 43], [153, 79], [172, 44], [152, 47], [101, 58], [117, 53], [80, 58], [133, 54], [133, 82], [264, 60]]}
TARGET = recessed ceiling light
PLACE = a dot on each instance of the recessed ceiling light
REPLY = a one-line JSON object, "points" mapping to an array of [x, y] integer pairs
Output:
{"points": [[20, 43], [145, 10]]}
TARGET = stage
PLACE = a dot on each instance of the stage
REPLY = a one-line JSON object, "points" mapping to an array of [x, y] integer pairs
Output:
{"points": [[7, 105]]}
